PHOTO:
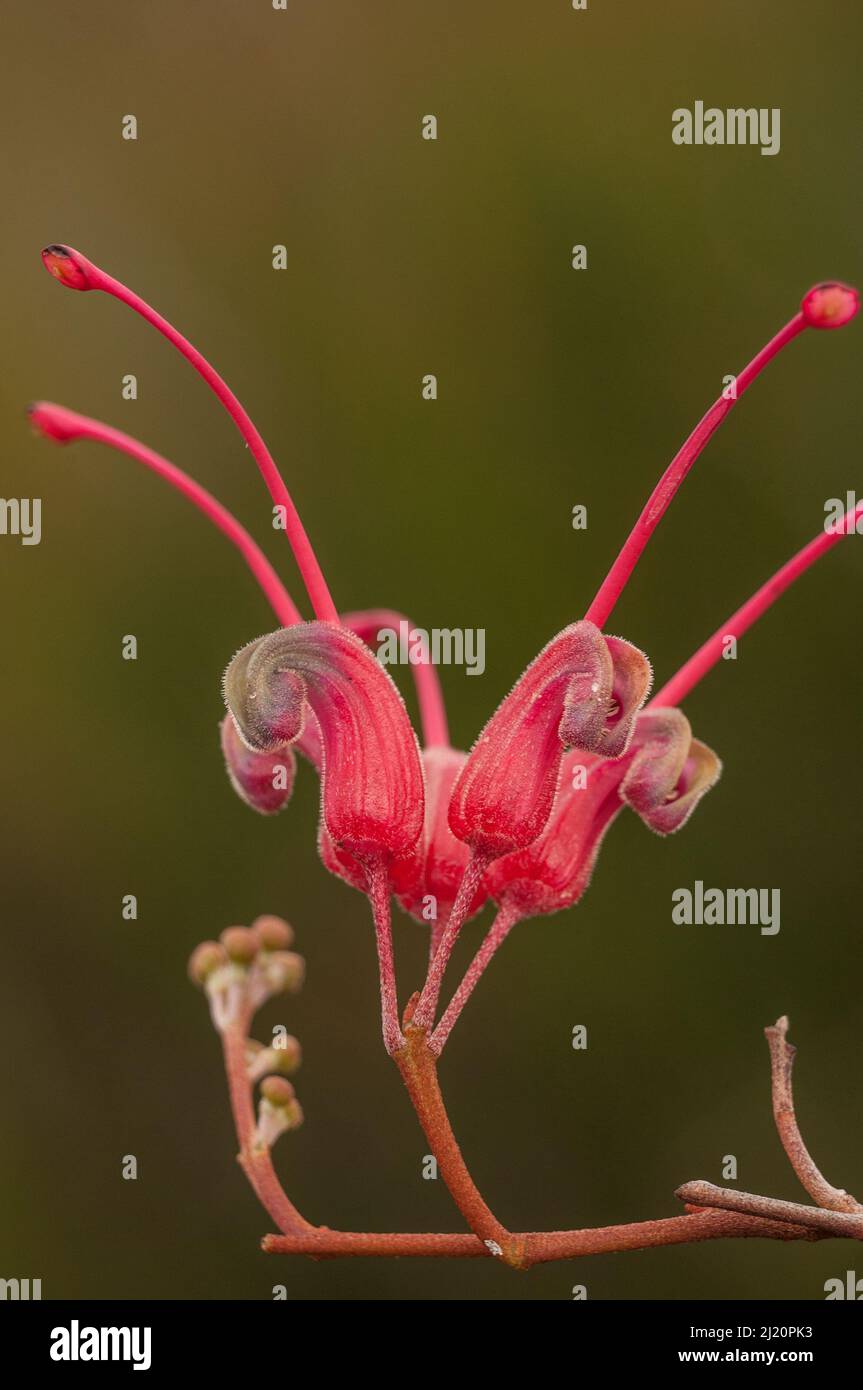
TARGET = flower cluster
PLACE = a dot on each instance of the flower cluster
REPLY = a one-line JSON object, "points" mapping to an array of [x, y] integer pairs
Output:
{"points": [[239, 973], [518, 820]]}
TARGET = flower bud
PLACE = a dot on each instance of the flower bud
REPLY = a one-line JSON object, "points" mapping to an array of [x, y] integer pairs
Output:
{"points": [[277, 1090], [372, 785], [227, 989], [283, 971], [554, 871], [240, 943], [583, 691], [204, 960], [283, 1060], [272, 933], [278, 1111]]}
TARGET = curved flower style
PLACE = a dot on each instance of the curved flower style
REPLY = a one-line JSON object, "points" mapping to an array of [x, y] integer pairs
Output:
{"points": [[518, 820]]}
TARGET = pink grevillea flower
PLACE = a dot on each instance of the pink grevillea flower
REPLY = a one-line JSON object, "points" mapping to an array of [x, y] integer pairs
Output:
{"points": [[518, 820]]}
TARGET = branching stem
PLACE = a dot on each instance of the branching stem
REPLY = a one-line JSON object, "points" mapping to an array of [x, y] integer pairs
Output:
{"points": [[427, 1006], [781, 1064], [254, 1159], [506, 919], [418, 1067]]}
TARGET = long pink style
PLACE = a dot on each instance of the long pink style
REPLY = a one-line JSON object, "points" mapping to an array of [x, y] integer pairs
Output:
{"points": [[825, 306], [77, 272], [710, 652], [428, 688], [65, 426]]}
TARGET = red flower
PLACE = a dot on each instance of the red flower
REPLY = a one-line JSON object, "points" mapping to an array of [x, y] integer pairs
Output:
{"points": [[521, 818]]}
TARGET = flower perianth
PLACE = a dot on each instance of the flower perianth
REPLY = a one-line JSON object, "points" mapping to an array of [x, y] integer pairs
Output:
{"points": [[372, 784], [367, 625], [582, 691], [669, 770], [426, 881], [662, 777], [372, 795], [264, 781]]}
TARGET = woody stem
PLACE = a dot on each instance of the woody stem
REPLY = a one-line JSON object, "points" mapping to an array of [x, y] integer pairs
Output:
{"points": [[710, 1224], [713, 1213], [782, 1056], [319, 1241], [835, 1223], [418, 1068], [543, 1247]]}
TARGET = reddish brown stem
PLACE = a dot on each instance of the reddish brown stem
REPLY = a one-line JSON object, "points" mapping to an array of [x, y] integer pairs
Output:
{"points": [[418, 1068], [333, 1245], [542, 1247], [831, 1223], [713, 1213], [254, 1159], [782, 1055], [644, 1235]]}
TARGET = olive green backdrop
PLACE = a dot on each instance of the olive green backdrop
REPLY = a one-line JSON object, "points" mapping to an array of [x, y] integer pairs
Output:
{"points": [[557, 387]]}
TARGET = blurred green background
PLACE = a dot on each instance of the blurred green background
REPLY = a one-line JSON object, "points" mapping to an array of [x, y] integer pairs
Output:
{"points": [[556, 387]]}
